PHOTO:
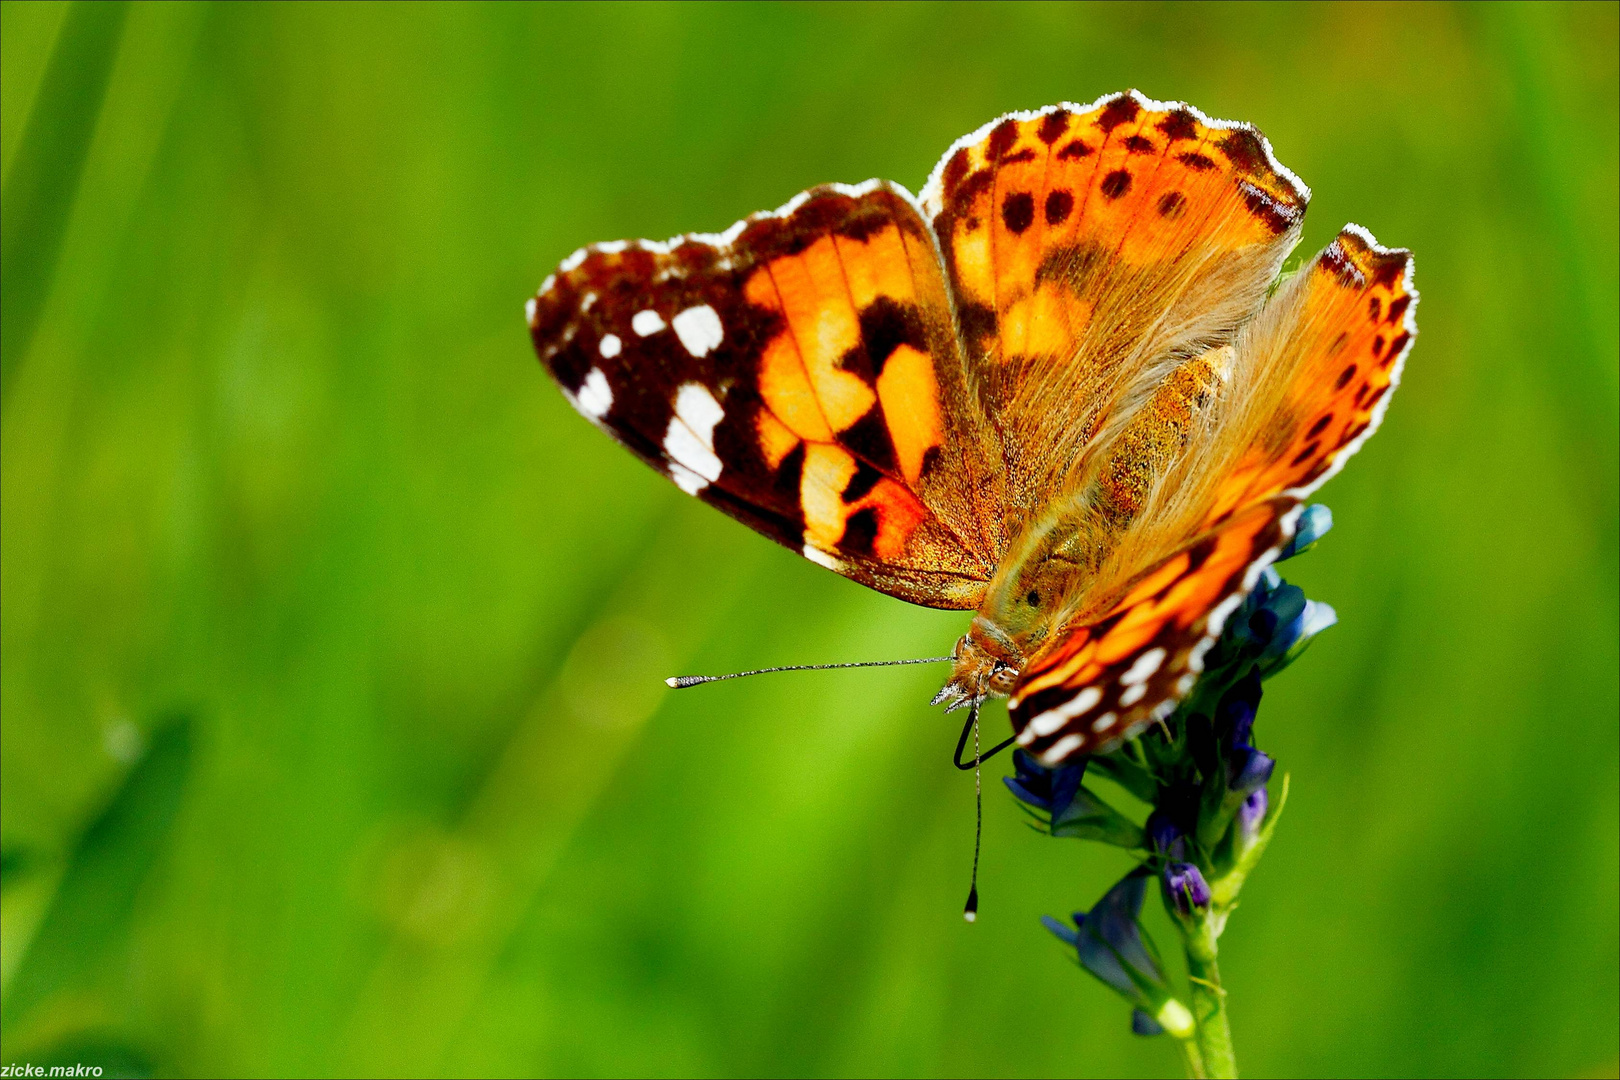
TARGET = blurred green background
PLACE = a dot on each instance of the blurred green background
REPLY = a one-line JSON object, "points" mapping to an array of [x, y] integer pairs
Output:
{"points": [[334, 740]]}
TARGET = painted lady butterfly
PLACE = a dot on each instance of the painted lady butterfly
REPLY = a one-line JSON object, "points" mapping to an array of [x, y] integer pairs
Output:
{"points": [[1052, 390]]}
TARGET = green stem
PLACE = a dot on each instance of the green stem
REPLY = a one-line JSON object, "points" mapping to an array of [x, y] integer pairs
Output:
{"points": [[1209, 1001], [1194, 1060]]}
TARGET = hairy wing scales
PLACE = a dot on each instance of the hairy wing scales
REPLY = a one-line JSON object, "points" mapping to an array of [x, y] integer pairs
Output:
{"points": [[1093, 248], [1319, 363]]}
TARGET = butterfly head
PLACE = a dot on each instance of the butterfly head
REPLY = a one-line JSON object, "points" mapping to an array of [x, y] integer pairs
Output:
{"points": [[986, 664]]}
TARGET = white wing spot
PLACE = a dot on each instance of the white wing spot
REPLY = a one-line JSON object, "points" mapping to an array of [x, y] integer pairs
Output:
{"points": [[646, 323], [1103, 722], [611, 346], [699, 329], [690, 439], [816, 555], [685, 479], [1133, 694], [529, 308], [1053, 719], [1145, 665], [595, 396], [1062, 749]]}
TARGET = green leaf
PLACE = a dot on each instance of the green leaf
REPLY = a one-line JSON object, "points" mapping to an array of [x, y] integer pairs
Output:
{"points": [[44, 178], [95, 901]]}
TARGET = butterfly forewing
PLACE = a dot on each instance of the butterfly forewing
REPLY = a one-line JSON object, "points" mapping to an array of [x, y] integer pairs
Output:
{"points": [[799, 373]]}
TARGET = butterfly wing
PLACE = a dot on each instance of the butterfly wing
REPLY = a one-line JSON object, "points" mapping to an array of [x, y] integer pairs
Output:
{"points": [[799, 372], [1105, 680], [1318, 364], [1307, 383], [1091, 249]]}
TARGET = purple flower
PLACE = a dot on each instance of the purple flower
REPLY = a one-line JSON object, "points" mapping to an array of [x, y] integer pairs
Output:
{"points": [[1234, 717], [1048, 790], [1185, 887], [1109, 943]]}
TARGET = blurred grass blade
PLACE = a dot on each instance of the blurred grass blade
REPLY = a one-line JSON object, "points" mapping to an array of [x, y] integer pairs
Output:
{"points": [[96, 899], [44, 180]]}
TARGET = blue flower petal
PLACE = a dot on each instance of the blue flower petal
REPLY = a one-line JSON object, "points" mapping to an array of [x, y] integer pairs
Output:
{"points": [[1061, 929], [1143, 1024], [1314, 522]]}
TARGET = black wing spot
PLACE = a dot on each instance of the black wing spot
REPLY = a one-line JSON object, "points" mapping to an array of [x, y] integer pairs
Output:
{"points": [[978, 320], [1075, 151], [868, 438], [1138, 145], [1172, 205], [1018, 211], [1001, 140], [1122, 110], [1180, 124], [1199, 554], [861, 484], [1058, 206], [887, 324], [1053, 125], [860, 532], [1345, 376], [1320, 426], [1116, 184]]}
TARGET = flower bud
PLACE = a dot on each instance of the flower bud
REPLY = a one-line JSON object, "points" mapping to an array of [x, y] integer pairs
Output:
{"points": [[1163, 834], [1186, 888], [1313, 524], [1249, 770]]}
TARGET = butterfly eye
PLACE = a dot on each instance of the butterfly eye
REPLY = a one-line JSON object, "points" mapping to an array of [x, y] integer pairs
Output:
{"points": [[1033, 599]]}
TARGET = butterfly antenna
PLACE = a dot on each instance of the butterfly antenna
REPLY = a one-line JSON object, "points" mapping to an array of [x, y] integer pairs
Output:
{"points": [[681, 682]]}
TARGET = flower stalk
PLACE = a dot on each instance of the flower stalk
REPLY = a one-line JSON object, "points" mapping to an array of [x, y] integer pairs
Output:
{"points": [[1212, 819]]}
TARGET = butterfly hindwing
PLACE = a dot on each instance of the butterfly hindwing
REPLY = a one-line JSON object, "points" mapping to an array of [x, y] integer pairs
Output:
{"points": [[799, 373], [1317, 366], [1103, 680]]}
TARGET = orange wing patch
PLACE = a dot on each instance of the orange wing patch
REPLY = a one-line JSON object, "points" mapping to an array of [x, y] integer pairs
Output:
{"points": [[1107, 677], [1087, 244], [1333, 344]]}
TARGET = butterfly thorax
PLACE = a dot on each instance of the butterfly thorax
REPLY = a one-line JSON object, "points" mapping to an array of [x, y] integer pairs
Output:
{"points": [[1032, 593]]}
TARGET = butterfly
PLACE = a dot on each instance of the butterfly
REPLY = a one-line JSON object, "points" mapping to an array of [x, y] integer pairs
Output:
{"points": [[1065, 388]]}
